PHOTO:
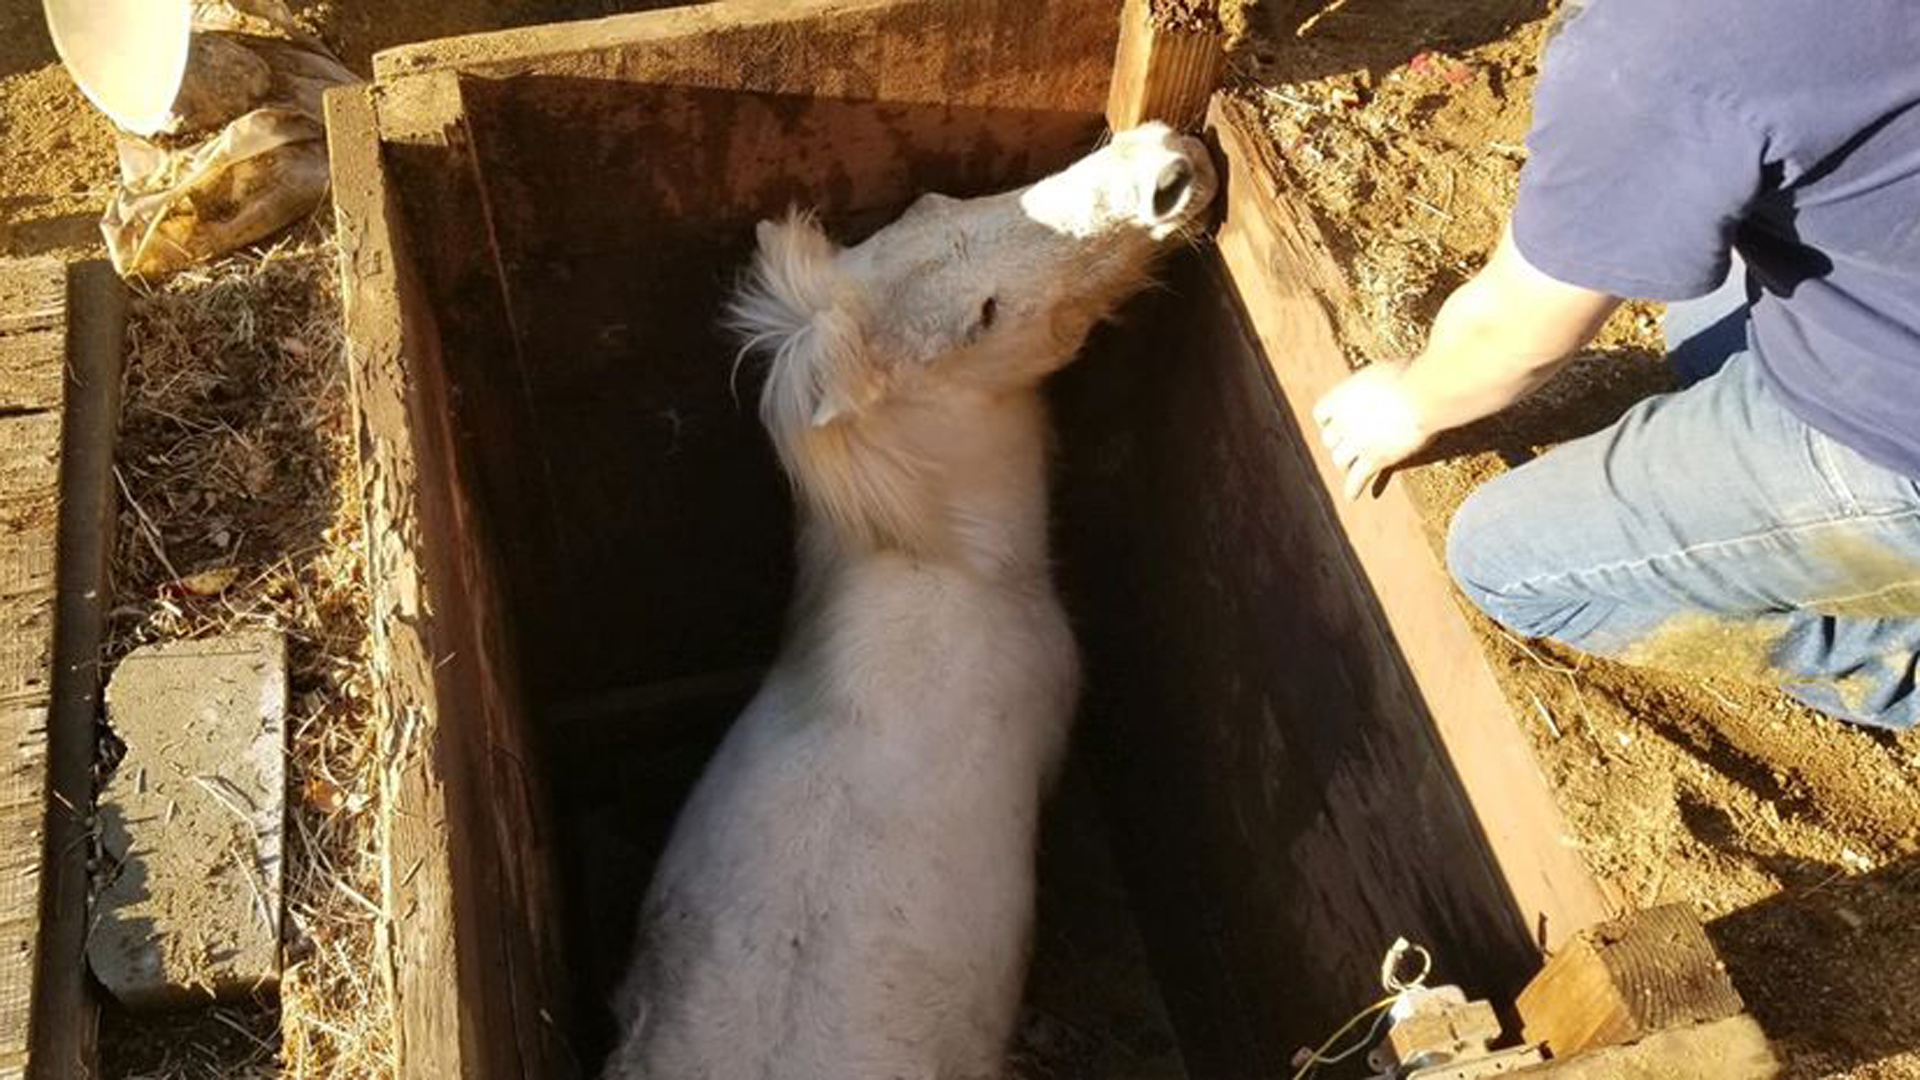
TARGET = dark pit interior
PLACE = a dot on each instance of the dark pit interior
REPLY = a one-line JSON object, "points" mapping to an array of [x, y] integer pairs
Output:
{"points": [[642, 528], [575, 242]]}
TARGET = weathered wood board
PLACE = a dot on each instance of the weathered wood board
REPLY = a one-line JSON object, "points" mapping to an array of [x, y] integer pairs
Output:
{"points": [[1056, 53], [1163, 73], [471, 943], [33, 316], [1304, 751], [1626, 979], [1285, 279], [60, 344]]}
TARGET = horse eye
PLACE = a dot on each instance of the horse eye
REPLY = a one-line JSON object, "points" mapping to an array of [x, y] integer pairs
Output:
{"points": [[988, 309]]}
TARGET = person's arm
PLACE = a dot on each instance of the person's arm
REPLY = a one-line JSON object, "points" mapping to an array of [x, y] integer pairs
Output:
{"points": [[1496, 339]]}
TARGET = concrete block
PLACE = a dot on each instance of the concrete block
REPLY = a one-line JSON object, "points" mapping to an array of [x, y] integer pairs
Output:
{"points": [[194, 815]]}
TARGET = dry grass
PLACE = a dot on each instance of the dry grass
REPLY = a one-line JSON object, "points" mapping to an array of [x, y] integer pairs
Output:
{"points": [[237, 474]]}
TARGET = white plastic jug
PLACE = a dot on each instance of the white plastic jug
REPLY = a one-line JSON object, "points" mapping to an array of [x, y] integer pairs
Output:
{"points": [[128, 56]]}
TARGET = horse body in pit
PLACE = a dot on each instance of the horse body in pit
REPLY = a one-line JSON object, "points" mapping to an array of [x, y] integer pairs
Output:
{"points": [[848, 893]]}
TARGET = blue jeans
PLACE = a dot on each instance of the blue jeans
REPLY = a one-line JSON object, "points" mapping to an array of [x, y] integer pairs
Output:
{"points": [[1711, 530]]}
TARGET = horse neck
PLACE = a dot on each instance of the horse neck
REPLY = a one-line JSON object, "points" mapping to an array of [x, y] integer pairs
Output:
{"points": [[956, 482]]}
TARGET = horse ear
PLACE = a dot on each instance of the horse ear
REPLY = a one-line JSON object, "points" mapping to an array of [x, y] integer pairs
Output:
{"points": [[846, 383], [798, 306]]}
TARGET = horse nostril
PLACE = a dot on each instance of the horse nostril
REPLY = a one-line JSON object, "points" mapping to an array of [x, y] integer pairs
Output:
{"points": [[1168, 194]]}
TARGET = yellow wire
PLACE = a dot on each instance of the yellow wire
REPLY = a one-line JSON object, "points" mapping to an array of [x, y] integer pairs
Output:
{"points": [[1314, 1061]]}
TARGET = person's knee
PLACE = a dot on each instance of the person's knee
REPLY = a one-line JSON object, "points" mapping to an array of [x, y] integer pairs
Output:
{"points": [[1473, 539], [1489, 554]]}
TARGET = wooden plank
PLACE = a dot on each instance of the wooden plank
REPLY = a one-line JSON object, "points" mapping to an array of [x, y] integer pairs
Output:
{"points": [[1161, 71], [704, 692], [33, 340], [1286, 281], [1734, 1048], [951, 52], [1623, 980], [1306, 755], [32, 343], [1277, 787], [464, 863], [417, 880], [60, 341]]}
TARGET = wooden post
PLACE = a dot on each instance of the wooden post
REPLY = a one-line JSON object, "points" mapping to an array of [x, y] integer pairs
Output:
{"points": [[1626, 979], [1162, 71]]}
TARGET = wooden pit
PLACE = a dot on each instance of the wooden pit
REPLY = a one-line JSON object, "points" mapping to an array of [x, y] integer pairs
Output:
{"points": [[580, 544]]}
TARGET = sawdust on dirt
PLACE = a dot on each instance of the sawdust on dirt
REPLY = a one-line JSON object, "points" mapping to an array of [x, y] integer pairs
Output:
{"points": [[58, 162], [1796, 837]]}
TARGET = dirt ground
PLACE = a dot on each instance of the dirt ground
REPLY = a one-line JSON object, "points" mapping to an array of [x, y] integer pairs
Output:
{"points": [[58, 162], [1796, 836], [1403, 120]]}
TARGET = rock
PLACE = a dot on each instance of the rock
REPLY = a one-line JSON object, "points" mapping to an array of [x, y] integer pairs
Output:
{"points": [[194, 818]]}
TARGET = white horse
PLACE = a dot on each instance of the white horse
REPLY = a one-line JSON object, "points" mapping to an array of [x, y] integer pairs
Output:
{"points": [[848, 893]]}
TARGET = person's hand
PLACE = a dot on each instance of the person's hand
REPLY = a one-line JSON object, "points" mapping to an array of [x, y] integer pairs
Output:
{"points": [[1370, 423]]}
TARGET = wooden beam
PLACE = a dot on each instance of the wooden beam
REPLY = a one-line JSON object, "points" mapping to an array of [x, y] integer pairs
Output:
{"points": [[1623, 980], [1163, 70], [471, 948], [1734, 1048], [1052, 53], [33, 318], [417, 881], [1286, 282], [61, 333]]}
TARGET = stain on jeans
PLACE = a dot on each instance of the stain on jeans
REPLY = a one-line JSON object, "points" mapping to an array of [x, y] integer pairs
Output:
{"points": [[1877, 581], [1698, 643], [1701, 643]]}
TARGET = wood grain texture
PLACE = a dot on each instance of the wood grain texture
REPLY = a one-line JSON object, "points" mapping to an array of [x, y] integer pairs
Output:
{"points": [[60, 341], [1287, 281], [1306, 755], [33, 316], [29, 460], [33, 334], [1163, 73], [1280, 797], [471, 951], [1625, 979], [1734, 1048], [1057, 53]]}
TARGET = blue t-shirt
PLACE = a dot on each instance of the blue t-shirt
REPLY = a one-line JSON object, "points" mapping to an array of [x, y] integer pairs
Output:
{"points": [[1667, 131]]}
